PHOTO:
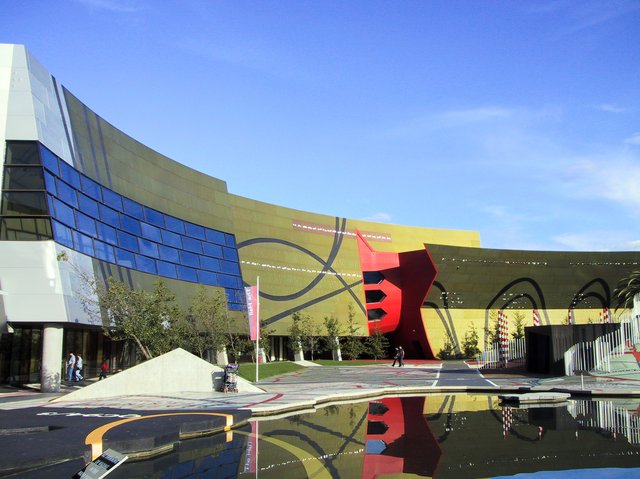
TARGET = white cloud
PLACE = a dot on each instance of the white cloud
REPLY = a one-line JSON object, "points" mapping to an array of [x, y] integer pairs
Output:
{"points": [[379, 217], [600, 240], [116, 6], [633, 139], [611, 108]]}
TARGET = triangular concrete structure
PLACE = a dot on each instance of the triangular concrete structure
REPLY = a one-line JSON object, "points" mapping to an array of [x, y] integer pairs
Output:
{"points": [[174, 372]]}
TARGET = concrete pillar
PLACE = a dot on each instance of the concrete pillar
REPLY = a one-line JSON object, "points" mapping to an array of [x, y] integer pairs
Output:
{"points": [[298, 354], [52, 356], [222, 359], [336, 353]]}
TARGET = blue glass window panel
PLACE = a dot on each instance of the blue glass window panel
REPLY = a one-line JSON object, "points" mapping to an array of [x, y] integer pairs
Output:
{"points": [[127, 241], [236, 307], [169, 254], [230, 240], [235, 295], [227, 281], [148, 248], [145, 264], [151, 232], [189, 259], [49, 160], [91, 188], [132, 208], [112, 199], [104, 251], [64, 213], [106, 233], [50, 183], [207, 277], [82, 243], [85, 224], [214, 236], [194, 230], [88, 206], [109, 216], [167, 269], [62, 234], [174, 224], [51, 207], [66, 193], [230, 254], [130, 225], [211, 249], [125, 258], [187, 274], [191, 244], [68, 174], [229, 267], [154, 217], [172, 239], [210, 264]]}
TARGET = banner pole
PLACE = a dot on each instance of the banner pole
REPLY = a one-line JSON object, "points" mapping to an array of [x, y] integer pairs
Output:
{"points": [[257, 324]]}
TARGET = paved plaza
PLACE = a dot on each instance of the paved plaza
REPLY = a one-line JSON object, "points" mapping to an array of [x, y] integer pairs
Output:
{"points": [[36, 432]]}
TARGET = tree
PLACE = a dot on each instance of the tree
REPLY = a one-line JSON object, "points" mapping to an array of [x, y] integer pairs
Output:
{"points": [[311, 336], [470, 347], [518, 325], [448, 349], [206, 325], [296, 332], [146, 318], [493, 334], [332, 339], [352, 346], [377, 344], [626, 289]]}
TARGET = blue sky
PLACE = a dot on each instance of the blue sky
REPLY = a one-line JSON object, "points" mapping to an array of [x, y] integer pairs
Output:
{"points": [[518, 119]]}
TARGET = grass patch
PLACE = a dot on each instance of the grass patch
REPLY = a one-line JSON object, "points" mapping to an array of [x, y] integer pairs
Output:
{"points": [[349, 362], [248, 370]]}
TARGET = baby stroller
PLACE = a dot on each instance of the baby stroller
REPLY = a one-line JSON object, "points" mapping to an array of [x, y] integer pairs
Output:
{"points": [[231, 378]]}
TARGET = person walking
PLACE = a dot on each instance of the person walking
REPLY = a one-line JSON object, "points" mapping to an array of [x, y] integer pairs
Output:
{"points": [[396, 357], [79, 364], [400, 357], [71, 364], [104, 369]]}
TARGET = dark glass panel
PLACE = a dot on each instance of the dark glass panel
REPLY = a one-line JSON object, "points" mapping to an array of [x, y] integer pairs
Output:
{"points": [[227, 281], [214, 236], [109, 216], [24, 203], [189, 259], [146, 264], [133, 208], [207, 277], [23, 178], [67, 193], [148, 248], [127, 241], [112, 199], [236, 307], [85, 224], [92, 188], [154, 217], [373, 277], [106, 233], [169, 254], [211, 249], [374, 296], [191, 244], [229, 267], [49, 160], [171, 239], [82, 243], [174, 224], [68, 174], [230, 254], [88, 206], [22, 153], [210, 264], [194, 230], [229, 240], [125, 258], [151, 232], [167, 269], [25, 229], [377, 313], [187, 274], [130, 225], [62, 234], [104, 251], [64, 213]]}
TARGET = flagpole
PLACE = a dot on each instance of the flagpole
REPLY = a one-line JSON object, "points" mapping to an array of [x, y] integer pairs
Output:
{"points": [[257, 324]]}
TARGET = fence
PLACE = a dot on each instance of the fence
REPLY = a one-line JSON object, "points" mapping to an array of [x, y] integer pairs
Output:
{"points": [[607, 416], [492, 357], [596, 355]]}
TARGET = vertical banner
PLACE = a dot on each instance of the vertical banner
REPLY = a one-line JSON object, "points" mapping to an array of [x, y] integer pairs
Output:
{"points": [[251, 452], [252, 311]]}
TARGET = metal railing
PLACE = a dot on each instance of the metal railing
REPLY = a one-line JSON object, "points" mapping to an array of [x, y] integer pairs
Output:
{"points": [[607, 416], [491, 357]]}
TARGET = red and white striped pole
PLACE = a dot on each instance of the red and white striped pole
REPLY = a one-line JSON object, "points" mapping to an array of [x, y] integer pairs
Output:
{"points": [[536, 318]]}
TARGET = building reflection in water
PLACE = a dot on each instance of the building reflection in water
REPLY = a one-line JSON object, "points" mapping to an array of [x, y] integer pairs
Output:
{"points": [[437, 436]]}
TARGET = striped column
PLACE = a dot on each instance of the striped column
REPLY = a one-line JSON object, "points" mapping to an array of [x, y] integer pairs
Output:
{"points": [[507, 420], [536, 318], [503, 337]]}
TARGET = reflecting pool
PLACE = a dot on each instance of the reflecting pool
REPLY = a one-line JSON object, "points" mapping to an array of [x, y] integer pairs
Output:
{"points": [[435, 436]]}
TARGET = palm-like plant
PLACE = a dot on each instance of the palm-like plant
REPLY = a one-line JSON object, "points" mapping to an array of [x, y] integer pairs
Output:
{"points": [[627, 288]]}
